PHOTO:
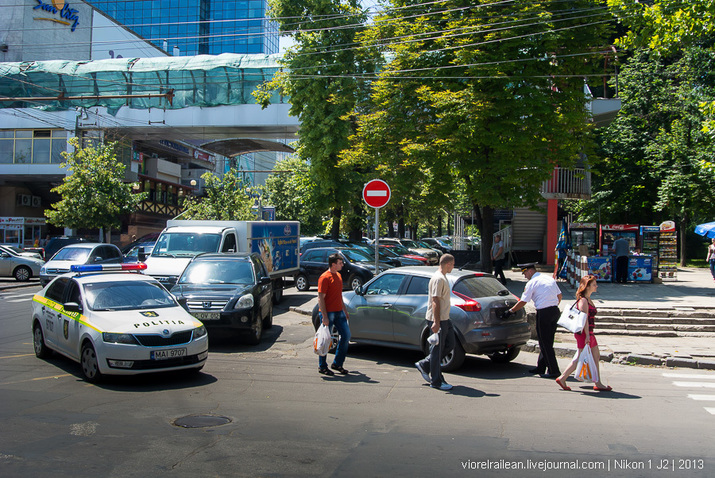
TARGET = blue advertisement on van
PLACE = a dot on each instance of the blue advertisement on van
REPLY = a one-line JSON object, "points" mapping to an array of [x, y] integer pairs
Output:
{"points": [[276, 242]]}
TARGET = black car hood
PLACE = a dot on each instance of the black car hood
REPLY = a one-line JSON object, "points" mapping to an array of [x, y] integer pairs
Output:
{"points": [[211, 290]]}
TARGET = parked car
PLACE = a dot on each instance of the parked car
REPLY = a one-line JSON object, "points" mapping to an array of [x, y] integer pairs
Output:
{"points": [[388, 256], [404, 252], [78, 254], [21, 267], [145, 239], [358, 267], [132, 255], [57, 243], [390, 310], [24, 252], [230, 291], [436, 243], [322, 243], [430, 254], [117, 323]]}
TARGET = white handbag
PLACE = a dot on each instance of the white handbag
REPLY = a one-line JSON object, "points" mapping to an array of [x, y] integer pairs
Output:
{"points": [[322, 341], [573, 319]]}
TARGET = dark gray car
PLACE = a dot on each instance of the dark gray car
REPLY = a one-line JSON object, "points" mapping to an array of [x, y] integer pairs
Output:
{"points": [[390, 310]]}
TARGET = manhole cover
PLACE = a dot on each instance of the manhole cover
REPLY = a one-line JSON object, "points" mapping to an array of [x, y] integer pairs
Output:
{"points": [[201, 421]]}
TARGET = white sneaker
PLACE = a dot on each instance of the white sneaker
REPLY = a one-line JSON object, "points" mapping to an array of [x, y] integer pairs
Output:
{"points": [[425, 375], [445, 386]]}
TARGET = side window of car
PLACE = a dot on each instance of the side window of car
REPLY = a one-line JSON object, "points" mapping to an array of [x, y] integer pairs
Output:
{"points": [[387, 284], [56, 291], [229, 243], [73, 294], [114, 253], [418, 286]]}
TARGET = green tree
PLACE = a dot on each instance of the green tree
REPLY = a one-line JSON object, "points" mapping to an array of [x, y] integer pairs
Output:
{"points": [[292, 195], [323, 81], [656, 152], [225, 199], [95, 195], [486, 95]]}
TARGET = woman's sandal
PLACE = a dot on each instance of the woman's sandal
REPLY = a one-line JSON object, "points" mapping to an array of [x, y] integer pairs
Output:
{"points": [[607, 389], [562, 385]]}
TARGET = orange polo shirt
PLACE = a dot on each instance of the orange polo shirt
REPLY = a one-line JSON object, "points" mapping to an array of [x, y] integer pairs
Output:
{"points": [[331, 284]]}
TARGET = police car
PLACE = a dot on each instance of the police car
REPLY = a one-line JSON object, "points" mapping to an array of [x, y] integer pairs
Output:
{"points": [[114, 322]]}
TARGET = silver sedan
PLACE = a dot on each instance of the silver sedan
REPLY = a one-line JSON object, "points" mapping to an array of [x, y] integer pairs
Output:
{"points": [[390, 310], [19, 266]]}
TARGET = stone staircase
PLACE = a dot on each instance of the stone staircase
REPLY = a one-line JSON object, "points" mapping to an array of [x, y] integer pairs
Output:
{"points": [[672, 322]]}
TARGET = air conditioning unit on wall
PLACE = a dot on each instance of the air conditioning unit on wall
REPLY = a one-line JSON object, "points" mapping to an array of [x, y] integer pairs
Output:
{"points": [[36, 201], [24, 200]]}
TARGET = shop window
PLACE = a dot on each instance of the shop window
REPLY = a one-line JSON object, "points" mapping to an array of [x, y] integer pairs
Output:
{"points": [[41, 151]]}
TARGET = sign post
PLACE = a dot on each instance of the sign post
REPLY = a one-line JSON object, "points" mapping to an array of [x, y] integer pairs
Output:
{"points": [[376, 194]]}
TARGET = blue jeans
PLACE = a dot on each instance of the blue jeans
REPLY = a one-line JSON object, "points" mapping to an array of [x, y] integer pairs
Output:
{"points": [[340, 322], [433, 362], [712, 267]]}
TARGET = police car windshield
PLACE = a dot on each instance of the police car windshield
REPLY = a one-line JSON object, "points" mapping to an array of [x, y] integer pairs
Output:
{"points": [[186, 244], [127, 295], [218, 272], [77, 254]]}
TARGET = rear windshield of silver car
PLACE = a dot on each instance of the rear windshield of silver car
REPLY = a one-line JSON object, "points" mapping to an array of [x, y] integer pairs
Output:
{"points": [[478, 287]]}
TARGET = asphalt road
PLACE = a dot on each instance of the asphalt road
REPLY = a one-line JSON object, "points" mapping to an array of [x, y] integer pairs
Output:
{"points": [[381, 420]]}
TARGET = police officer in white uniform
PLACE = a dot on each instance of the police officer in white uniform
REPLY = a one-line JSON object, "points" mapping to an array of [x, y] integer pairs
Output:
{"points": [[546, 295]]}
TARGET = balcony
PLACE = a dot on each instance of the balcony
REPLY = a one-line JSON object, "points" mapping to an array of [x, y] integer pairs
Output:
{"points": [[567, 184]]}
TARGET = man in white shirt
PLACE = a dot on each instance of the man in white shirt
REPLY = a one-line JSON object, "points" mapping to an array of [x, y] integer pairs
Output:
{"points": [[438, 313], [546, 295]]}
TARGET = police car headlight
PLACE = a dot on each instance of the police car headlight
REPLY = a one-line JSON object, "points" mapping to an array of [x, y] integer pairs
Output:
{"points": [[245, 302], [199, 332], [118, 338]]}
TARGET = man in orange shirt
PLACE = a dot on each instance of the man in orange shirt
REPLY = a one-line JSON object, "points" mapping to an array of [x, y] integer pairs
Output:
{"points": [[333, 312]]}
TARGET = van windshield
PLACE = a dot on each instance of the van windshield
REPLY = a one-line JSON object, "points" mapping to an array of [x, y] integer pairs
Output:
{"points": [[185, 244]]}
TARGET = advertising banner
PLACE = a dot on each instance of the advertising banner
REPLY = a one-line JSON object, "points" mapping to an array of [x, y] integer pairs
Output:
{"points": [[640, 268], [276, 242], [601, 267]]}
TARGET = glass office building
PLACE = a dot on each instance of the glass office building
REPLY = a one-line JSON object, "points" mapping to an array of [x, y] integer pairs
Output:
{"points": [[198, 27]]}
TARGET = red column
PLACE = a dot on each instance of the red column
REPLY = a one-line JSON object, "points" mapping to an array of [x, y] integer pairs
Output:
{"points": [[552, 231]]}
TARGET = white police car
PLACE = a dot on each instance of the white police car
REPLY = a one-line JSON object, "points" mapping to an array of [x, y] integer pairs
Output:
{"points": [[114, 322]]}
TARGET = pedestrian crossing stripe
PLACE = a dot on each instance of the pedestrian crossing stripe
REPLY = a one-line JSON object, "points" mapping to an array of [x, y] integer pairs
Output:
{"points": [[704, 398], [692, 376], [695, 384], [710, 410]]}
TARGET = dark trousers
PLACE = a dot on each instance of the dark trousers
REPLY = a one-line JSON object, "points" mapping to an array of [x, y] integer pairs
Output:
{"points": [[438, 352], [622, 269], [499, 270], [546, 321]]}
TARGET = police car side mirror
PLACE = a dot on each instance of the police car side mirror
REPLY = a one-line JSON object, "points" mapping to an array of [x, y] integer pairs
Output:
{"points": [[72, 307], [141, 255]]}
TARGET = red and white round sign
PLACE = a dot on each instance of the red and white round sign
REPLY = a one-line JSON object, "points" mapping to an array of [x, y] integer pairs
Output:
{"points": [[376, 193]]}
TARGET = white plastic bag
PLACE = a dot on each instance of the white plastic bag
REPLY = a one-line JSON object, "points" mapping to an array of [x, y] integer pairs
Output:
{"points": [[586, 370], [322, 341], [433, 339], [573, 319]]}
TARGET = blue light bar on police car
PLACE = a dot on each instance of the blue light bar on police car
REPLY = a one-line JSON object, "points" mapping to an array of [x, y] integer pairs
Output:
{"points": [[108, 267]]}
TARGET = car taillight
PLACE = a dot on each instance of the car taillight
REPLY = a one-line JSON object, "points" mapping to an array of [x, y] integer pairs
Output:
{"points": [[470, 306]]}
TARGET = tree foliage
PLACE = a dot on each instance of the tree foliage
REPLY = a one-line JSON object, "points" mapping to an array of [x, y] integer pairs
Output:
{"points": [[489, 96], [323, 81], [292, 195], [226, 199], [95, 195]]}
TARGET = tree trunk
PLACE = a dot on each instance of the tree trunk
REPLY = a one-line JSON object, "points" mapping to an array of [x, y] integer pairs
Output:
{"points": [[485, 222], [439, 226], [400, 223], [682, 229], [335, 228]]}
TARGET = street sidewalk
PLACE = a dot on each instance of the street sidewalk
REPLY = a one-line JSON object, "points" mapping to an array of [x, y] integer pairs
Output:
{"points": [[694, 289]]}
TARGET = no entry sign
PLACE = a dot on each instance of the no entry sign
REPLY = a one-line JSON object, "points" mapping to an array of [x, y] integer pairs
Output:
{"points": [[376, 193]]}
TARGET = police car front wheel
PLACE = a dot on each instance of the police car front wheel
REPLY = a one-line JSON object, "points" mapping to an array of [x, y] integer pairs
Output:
{"points": [[90, 364]]}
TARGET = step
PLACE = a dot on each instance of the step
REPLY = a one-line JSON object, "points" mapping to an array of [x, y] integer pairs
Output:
{"points": [[654, 320], [648, 326], [705, 313]]}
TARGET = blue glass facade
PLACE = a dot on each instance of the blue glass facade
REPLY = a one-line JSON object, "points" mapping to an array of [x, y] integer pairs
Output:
{"points": [[198, 26]]}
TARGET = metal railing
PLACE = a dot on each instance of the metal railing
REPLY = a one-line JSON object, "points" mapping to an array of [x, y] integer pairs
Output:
{"points": [[567, 184]]}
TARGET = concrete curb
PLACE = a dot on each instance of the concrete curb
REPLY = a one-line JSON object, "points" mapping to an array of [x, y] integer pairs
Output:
{"points": [[628, 358], [299, 310], [19, 286]]}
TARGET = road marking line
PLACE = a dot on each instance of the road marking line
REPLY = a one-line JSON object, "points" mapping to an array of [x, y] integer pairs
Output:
{"points": [[710, 410], [16, 296], [17, 300], [693, 376], [35, 379], [694, 384], [707, 398], [15, 356]]}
